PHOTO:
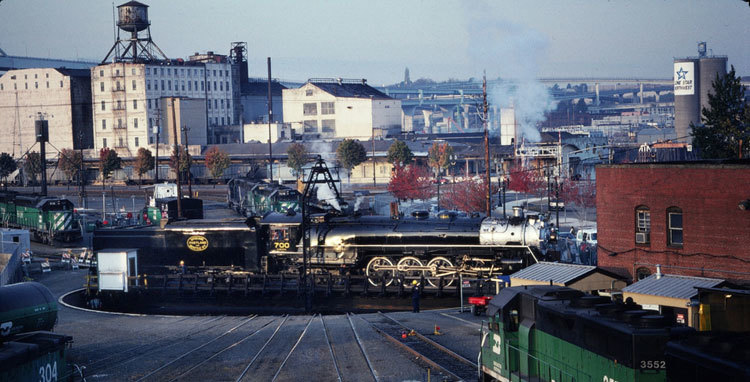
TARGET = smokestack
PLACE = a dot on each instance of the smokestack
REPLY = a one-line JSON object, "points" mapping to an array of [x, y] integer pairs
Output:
{"points": [[658, 271]]}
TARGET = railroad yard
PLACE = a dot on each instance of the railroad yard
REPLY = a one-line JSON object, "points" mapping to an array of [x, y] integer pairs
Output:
{"points": [[396, 346]]}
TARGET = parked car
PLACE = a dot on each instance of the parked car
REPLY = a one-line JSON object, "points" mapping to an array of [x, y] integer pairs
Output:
{"points": [[586, 235]]}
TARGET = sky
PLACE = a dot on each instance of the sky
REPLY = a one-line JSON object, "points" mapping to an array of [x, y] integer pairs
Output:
{"points": [[377, 40]]}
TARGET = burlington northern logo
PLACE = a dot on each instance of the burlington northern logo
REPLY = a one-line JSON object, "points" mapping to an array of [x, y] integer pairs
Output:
{"points": [[197, 243]]}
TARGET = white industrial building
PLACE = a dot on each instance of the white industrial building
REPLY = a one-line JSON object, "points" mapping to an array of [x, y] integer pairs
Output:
{"points": [[61, 96], [127, 99], [336, 108]]}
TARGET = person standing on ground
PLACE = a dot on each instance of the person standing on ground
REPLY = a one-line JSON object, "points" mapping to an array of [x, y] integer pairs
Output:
{"points": [[415, 296]]}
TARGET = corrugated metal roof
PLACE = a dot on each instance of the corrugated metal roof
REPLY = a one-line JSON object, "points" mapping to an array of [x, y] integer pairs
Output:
{"points": [[672, 286], [559, 273]]}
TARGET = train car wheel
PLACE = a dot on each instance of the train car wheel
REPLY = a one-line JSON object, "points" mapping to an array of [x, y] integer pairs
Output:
{"points": [[375, 272], [438, 267], [405, 267]]}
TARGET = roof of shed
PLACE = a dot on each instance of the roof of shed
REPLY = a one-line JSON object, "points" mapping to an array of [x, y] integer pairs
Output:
{"points": [[559, 273], [675, 286]]}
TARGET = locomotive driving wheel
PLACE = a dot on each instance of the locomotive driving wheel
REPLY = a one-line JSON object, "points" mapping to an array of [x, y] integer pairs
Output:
{"points": [[440, 266], [410, 266], [379, 269]]}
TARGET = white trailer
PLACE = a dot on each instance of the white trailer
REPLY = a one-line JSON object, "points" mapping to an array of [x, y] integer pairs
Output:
{"points": [[114, 266]]}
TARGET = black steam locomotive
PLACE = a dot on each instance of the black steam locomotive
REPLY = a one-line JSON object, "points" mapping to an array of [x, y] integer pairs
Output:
{"points": [[380, 247]]}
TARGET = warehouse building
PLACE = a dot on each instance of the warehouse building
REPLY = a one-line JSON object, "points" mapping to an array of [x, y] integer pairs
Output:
{"points": [[340, 108], [61, 96]]}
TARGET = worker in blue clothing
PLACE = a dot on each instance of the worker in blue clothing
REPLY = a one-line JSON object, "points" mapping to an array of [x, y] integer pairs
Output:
{"points": [[415, 296]]}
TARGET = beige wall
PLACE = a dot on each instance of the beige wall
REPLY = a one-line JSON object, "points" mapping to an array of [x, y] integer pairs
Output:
{"points": [[189, 113], [27, 92], [645, 299]]}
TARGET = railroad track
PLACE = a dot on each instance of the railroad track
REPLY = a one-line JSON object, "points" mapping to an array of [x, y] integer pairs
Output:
{"points": [[103, 347], [350, 360], [439, 358], [128, 355], [162, 372]]}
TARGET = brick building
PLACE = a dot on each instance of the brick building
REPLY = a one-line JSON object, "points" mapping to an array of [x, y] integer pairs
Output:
{"points": [[693, 218]]}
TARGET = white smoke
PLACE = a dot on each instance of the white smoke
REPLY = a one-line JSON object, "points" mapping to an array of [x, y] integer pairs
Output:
{"points": [[358, 202], [513, 52], [325, 194]]}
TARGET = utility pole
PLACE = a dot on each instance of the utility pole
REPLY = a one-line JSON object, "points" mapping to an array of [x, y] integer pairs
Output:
{"points": [[157, 129], [189, 175], [270, 116], [42, 136], [373, 159], [488, 195], [82, 202], [177, 158]]}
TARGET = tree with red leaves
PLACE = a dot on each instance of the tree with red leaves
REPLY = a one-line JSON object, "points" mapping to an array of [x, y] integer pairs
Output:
{"points": [[526, 180], [468, 196], [410, 182], [581, 193]]}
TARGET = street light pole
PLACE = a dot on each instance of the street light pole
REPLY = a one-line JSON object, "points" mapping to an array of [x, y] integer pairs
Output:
{"points": [[156, 157]]}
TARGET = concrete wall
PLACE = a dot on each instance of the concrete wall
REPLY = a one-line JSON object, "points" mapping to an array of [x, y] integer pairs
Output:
{"points": [[715, 230], [259, 132], [62, 98], [190, 113]]}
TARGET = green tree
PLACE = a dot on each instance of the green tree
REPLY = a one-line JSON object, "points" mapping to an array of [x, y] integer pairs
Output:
{"points": [[32, 166], [726, 122], [216, 161], [296, 158], [109, 161], [399, 152], [144, 162], [70, 163], [7, 166], [186, 161], [350, 153], [439, 156]]}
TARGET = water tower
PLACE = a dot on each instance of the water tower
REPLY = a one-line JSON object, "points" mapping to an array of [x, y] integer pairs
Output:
{"points": [[132, 17]]}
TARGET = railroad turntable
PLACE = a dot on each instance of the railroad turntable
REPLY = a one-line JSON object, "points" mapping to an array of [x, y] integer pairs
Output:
{"points": [[349, 347]]}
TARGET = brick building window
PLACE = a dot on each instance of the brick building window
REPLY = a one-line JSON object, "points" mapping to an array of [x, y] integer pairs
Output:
{"points": [[642, 225], [674, 227], [310, 109]]}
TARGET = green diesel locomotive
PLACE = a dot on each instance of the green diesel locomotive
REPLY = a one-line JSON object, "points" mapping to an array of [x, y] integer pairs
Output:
{"points": [[47, 218], [251, 198], [551, 333]]}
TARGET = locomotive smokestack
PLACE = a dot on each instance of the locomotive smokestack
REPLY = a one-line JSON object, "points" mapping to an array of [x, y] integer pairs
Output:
{"points": [[518, 212]]}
